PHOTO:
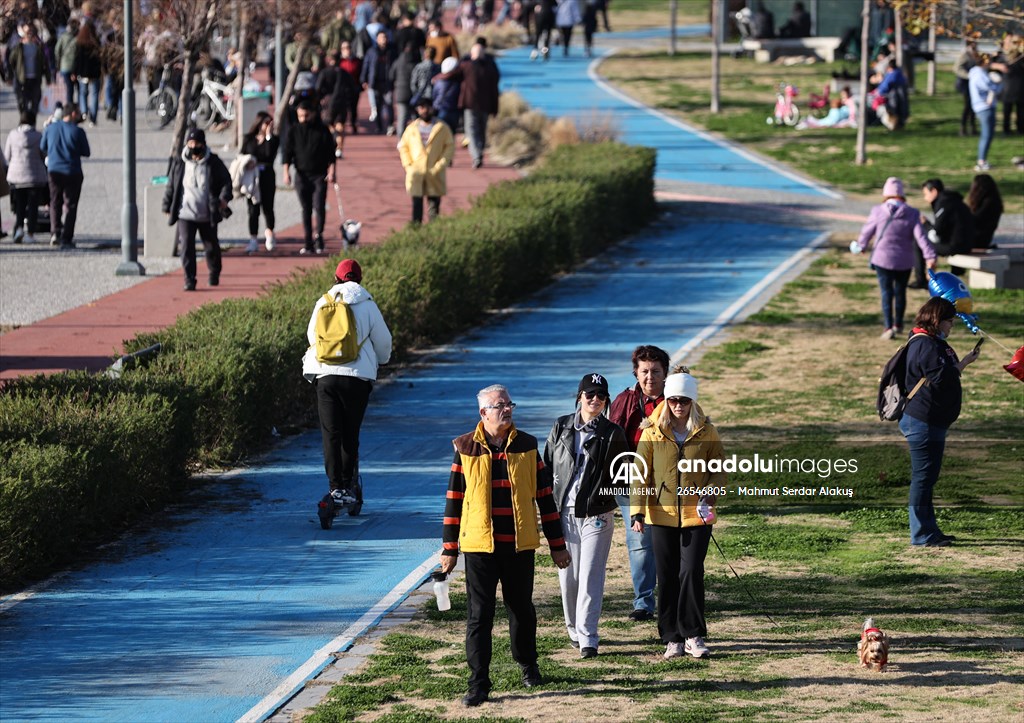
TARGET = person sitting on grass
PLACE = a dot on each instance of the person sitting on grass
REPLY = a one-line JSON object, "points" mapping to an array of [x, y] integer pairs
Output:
{"points": [[841, 114]]}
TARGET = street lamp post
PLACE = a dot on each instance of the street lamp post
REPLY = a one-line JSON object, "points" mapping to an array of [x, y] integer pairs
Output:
{"points": [[129, 265]]}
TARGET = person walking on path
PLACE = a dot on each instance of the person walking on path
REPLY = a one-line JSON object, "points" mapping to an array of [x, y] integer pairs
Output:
{"points": [[442, 41], [64, 54], [196, 200], [343, 390], [422, 75], [26, 176], [680, 431], [376, 78], [88, 71], [29, 68], [498, 484], [426, 149], [401, 81], [544, 23], [966, 60], [64, 144], [478, 95], [580, 452], [984, 92], [309, 147], [931, 412], [566, 17], [353, 66], [631, 410], [890, 232], [262, 144]]}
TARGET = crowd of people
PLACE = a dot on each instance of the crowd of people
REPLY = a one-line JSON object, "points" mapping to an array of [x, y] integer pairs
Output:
{"points": [[501, 485]]}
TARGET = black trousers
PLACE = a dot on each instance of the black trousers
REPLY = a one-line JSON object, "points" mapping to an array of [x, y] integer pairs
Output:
{"points": [[25, 201], [341, 403], [484, 570], [187, 231], [433, 208], [312, 190], [267, 189], [65, 190], [679, 558]]}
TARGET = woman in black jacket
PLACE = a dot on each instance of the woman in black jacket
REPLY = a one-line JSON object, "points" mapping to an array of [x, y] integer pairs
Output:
{"points": [[580, 452], [987, 208], [262, 144], [88, 70], [930, 412]]}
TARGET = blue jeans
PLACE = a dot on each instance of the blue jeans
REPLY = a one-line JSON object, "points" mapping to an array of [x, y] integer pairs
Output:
{"points": [[927, 443], [894, 295], [89, 98], [987, 124], [641, 561]]}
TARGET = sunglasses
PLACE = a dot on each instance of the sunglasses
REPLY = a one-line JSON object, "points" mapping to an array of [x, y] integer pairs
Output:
{"points": [[680, 401], [599, 395]]}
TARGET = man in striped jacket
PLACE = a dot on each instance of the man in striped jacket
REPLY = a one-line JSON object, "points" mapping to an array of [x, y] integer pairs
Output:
{"points": [[497, 484]]}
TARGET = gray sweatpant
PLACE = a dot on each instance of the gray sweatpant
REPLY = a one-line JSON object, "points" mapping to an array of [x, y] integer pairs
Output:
{"points": [[589, 540]]}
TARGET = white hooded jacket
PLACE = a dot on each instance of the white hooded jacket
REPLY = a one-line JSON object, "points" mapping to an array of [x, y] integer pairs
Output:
{"points": [[374, 336]]}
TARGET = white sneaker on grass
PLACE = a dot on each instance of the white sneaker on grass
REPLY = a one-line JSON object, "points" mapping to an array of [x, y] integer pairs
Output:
{"points": [[673, 650], [696, 648]]}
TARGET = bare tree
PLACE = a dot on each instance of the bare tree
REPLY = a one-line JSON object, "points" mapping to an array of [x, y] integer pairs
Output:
{"points": [[716, 63], [862, 125], [305, 17]]}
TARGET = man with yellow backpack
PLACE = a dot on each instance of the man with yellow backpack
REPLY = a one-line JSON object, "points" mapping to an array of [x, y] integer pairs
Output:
{"points": [[348, 340]]}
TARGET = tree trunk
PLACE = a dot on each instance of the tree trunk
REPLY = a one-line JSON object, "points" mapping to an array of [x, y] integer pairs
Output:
{"points": [[862, 121], [716, 20], [181, 119], [281, 103], [673, 11], [243, 61], [932, 19]]}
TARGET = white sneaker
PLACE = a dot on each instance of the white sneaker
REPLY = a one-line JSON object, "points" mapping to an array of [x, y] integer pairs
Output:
{"points": [[30, 239], [982, 166], [673, 650], [696, 648], [887, 334], [373, 115], [253, 246], [19, 234], [534, 54], [342, 497], [54, 239], [271, 242]]}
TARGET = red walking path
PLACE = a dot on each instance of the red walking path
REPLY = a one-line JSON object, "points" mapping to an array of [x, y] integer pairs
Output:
{"points": [[373, 191]]}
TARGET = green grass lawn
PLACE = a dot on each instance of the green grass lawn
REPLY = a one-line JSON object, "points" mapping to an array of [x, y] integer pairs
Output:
{"points": [[928, 147]]}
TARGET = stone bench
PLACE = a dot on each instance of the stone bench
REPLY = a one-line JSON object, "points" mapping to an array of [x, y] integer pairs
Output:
{"points": [[769, 49], [984, 271]]}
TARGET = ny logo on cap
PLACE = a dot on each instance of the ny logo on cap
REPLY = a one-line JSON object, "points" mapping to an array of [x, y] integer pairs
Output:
{"points": [[596, 378]]}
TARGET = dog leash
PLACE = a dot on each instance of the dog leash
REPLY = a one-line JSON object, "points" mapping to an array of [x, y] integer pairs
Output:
{"points": [[728, 564]]}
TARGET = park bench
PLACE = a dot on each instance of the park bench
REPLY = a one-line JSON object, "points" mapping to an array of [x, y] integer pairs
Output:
{"points": [[769, 49], [998, 268]]}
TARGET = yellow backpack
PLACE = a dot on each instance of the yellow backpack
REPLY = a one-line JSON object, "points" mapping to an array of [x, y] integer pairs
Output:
{"points": [[337, 341]]}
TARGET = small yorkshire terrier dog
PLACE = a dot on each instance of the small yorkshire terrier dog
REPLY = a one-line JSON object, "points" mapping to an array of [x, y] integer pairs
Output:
{"points": [[873, 648]]}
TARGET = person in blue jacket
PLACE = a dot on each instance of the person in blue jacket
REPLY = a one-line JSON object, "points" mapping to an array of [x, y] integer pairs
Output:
{"points": [[64, 144], [930, 412]]}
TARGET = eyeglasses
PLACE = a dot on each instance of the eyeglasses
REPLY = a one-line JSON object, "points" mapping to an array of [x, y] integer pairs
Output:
{"points": [[501, 406], [600, 395], [679, 401]]}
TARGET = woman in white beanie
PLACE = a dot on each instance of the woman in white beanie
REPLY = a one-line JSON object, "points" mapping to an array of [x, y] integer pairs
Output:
{"points": [[678, 502]]}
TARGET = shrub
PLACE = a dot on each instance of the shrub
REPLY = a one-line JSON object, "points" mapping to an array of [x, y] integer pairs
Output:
{"points": [[84, 454]]}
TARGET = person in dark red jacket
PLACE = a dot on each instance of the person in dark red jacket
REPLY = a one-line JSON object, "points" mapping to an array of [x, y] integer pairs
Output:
{"points": [[630, 411], [930, 412], [478, 96]]}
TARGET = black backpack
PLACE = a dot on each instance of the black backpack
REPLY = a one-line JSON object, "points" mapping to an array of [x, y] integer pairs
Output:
{"points": [[892, 396]]}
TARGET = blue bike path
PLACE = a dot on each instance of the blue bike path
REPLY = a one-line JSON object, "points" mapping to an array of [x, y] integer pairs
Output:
{"points": [[221, 610]]}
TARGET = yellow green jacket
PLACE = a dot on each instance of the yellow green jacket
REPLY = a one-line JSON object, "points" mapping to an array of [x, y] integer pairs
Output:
{"points": [[481, 510], [425, 166], [665, 499]]}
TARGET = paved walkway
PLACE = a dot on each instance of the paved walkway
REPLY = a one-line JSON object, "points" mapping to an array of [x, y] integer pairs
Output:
{"points": [[73, 313]]}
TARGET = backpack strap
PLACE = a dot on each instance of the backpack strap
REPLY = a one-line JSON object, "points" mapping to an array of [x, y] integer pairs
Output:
{"points": [[923, 381]]}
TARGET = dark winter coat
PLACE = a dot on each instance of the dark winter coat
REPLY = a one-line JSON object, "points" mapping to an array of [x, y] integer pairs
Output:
{"points": [[938, 401], [220, 188], [953, 223], [605, 445]]}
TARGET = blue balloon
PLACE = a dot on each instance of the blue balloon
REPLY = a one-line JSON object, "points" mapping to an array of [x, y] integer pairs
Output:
{"points": [[951, 288]]}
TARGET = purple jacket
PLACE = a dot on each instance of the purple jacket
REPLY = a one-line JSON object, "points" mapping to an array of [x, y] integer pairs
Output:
{"points": [[894, 248]]}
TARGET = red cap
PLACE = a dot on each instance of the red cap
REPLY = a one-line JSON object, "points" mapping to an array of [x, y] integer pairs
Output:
{"points": [[349, 270]]}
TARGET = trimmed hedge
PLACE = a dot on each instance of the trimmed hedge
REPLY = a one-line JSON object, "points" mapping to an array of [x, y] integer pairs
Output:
{"points": [[82, 455]]}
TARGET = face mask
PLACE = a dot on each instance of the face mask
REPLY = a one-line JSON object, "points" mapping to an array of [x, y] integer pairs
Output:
{"points": [[198, 152]]}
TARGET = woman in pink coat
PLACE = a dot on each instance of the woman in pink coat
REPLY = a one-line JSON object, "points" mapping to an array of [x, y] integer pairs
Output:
{"points": [[891, 230]]}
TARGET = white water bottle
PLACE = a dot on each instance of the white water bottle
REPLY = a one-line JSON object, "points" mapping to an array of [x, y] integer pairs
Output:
{"points": [[706, 512], [441, 590]]}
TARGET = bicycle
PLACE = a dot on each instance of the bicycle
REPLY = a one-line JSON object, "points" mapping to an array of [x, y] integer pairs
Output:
{"points": [[216, 103], [162, 103]]}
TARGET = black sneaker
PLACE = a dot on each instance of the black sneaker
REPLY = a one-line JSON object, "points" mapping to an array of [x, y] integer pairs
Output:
{"points": [[588, 653], [318, 242], [475, 697], [190, 284], [214, 281], [531, 676], [640, 615]]}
